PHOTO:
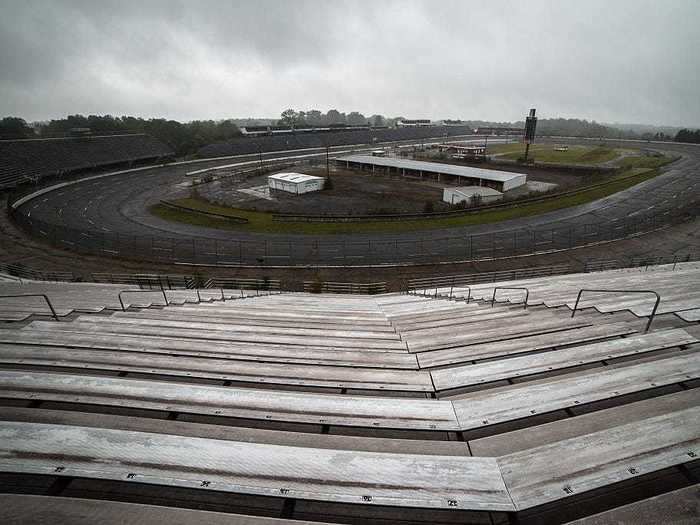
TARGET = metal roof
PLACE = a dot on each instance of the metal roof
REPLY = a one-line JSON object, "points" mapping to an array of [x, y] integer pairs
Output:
{"points": [[434, 167], [294, 177]]}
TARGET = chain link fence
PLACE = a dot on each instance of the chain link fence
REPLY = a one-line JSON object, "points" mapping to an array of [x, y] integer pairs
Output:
{"points": [[336, 251]]}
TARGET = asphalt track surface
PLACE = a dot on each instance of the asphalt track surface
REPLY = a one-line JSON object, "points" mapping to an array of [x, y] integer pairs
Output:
{"points": [[109, 215]]}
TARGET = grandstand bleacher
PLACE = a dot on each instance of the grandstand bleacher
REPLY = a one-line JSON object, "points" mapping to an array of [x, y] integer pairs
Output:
{"points": [[29, 160], [346, 137], [391, 408]]}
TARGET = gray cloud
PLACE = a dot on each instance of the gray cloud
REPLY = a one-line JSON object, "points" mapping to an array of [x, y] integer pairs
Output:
{"points": [[626, 61]]}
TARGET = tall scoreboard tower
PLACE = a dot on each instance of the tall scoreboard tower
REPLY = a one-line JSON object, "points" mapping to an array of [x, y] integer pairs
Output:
{"points": [[530, 125]]}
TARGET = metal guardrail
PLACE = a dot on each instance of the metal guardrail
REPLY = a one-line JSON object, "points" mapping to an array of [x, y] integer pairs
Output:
{"points": [[486, 277], [345, 288], [469, 293], [19, 270], [637, 262], [121, 302], [452, 286], [158, 281], [493, 297], [651, 316], [230, 218], [46, 298], [237, 283]]}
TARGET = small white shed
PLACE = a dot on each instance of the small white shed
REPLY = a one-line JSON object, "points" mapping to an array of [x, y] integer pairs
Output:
{"points": [[295, 182], [457, 194]]}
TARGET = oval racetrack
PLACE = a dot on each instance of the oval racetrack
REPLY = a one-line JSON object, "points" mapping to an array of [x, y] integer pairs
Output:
{"points": [[110, 215]]}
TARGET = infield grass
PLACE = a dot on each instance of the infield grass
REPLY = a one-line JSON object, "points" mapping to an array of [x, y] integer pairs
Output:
{"points": [[586, 155]]}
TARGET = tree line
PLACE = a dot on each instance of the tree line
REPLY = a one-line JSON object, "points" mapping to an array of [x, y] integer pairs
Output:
{"points": [[687, 135], [184, 138], [314, 117]]}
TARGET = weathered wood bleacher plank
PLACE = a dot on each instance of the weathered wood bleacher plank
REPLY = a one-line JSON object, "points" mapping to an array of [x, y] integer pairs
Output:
{"points": [[240, 319], [300, 407], [330, 475], [176, 346], [235, 433], [509, 403], [232, 326], [583, 423], [211, 368], [456, 377], [601, 458], [107, 326], [523, 344], [499, 333]]}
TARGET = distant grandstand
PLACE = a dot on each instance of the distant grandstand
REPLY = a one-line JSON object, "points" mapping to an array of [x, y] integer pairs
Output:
{"points": [[33, 159], [499, 131], [267, 139], [257, 131]]}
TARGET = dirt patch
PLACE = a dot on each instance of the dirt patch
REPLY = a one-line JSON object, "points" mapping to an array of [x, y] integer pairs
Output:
{"points": [[351, 193]]}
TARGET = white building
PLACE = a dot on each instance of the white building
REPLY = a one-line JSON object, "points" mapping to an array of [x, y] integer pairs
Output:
{"points": [[457, 194], [295, 182]]}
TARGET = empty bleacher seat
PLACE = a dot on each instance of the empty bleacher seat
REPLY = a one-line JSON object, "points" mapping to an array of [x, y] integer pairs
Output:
{"points": [[31, 159], [390, 408]]}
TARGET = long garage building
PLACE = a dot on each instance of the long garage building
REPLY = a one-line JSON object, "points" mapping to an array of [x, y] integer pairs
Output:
{"points": [[449, 173]]}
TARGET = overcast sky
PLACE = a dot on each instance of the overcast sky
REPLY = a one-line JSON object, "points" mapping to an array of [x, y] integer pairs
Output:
{"points": [[613, 61]]}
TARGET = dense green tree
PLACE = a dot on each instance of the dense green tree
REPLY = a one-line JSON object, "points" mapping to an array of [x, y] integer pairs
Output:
{"points": [[687, 135], [289, 117], [356, 119], [377, 120], [335, 117], [314, 117], [184, 138], [15, 128]]}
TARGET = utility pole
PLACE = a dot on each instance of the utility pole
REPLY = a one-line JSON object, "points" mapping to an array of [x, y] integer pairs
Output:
{"points": [[328, 165]]}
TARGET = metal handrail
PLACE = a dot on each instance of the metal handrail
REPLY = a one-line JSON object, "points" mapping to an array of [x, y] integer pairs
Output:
{"points": [[46, 298], [165, 297], [469, 292], [653, 311], [493, 297]]}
